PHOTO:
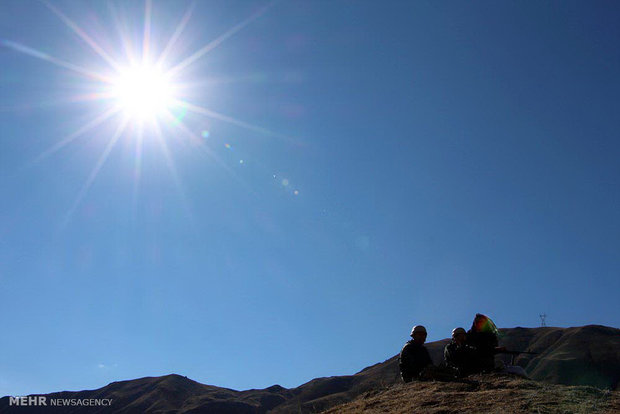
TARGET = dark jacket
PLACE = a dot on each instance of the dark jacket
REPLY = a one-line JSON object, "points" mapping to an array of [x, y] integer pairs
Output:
{"points": [[484, 344], [413, 359], [460, 358]]}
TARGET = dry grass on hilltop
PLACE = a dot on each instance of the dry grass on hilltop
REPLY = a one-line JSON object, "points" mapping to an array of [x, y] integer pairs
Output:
{"points": [[494, 393]]}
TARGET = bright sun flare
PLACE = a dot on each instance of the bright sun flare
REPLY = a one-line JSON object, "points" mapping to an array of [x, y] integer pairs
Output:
{"points": [[143, 92]]}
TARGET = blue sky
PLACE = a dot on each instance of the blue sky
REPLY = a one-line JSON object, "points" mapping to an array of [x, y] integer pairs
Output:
{"points": [[387, 164]]}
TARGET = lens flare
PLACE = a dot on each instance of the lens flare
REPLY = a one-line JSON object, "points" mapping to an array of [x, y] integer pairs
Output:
{"points": [[147, 88]]}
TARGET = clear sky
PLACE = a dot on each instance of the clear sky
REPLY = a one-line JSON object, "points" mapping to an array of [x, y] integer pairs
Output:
{"points": [[329, 174]]}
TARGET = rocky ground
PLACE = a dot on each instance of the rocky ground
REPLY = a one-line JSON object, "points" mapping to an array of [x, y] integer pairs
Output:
{"points": [[493, 393]]}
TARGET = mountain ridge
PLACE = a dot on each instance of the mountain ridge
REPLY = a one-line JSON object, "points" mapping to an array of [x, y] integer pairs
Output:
{"points": [[576, 356]]}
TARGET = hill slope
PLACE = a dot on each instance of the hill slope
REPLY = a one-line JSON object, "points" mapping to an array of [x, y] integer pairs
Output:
{"points": [[588, 355], [492, 393]]}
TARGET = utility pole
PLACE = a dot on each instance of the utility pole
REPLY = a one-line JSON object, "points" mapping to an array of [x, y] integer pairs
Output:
{"points": [[542, 319]]}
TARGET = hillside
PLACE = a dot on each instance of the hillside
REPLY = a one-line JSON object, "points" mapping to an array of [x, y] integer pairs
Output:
{"points": [[492, 393], [581, 356]]}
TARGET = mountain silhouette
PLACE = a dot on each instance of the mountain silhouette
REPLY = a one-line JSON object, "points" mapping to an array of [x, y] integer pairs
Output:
{"points": [[581, 356]]}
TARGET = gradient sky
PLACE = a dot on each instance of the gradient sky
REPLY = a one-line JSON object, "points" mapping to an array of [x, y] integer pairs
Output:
{"points": [[418, 162]]}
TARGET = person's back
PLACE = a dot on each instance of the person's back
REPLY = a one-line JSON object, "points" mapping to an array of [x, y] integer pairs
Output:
{"points": [[483, 338], [414, 356]]}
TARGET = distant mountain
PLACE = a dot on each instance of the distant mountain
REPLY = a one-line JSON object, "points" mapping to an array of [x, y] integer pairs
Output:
{"points": [[167, 394], [588, 355]]}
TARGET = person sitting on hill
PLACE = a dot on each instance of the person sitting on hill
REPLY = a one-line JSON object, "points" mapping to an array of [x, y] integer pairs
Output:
{"points": [[458, 355], [414, 356], [483, 338]]}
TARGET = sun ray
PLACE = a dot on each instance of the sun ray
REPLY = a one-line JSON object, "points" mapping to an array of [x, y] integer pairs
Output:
{"points": [[216, 42], [146, 38], [122, 31], [196, 139], [213, 156], [48, 58], [66, 141], [95, 171], [89, 97], [218, 80], [225, 118], [137, 172], [175, 36], [173, 171], [144, 89], [77, 30]]}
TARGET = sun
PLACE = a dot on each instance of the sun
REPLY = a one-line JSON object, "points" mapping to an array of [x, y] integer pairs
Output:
{"points": [[149, 87], [143, 92]]}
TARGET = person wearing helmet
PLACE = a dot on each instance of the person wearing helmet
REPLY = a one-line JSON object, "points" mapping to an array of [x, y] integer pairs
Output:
{"points": [[458, 355], [414, 356]]}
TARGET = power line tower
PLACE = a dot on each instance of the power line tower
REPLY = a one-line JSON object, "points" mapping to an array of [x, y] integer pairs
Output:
{"points": [[542, 319]]}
